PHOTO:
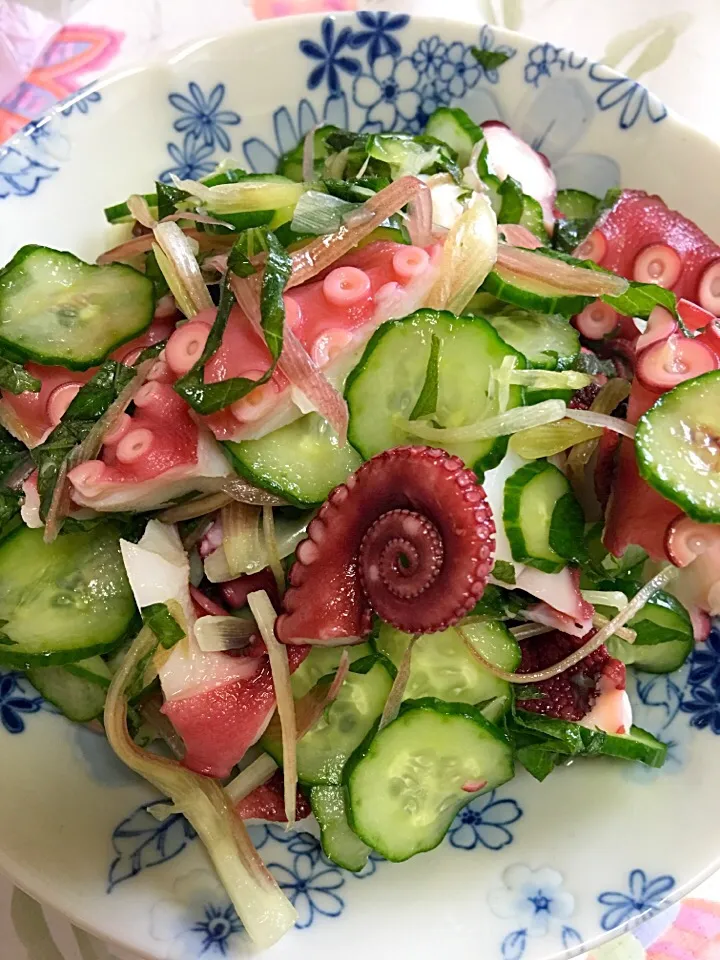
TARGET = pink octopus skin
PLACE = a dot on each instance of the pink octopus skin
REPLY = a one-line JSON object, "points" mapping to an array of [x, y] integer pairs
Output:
{"points": [[218, 725], [39, 413], [158, 437], [410, 536], [332, 316]]}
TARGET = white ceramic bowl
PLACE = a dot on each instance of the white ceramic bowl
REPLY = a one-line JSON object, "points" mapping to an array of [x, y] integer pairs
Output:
{"points": [[533, 870]]}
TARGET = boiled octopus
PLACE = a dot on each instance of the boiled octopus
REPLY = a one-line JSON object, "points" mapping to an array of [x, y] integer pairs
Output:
{"points": [[332, 316], [642, 239], [409, 537]]}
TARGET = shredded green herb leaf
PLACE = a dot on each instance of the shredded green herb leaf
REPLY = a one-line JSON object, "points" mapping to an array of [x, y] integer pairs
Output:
{"points": [[13, 452], [489, 59], [504, 571], [513, 201], [15, 378], [163, 624], [91, 402], [426, 403], [168, 198], [208, 398]]}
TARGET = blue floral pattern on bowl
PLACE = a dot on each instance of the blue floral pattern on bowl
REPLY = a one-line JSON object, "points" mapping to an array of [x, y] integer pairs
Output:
{"points": [[539, 903], [17, 700], [205, 138], [484, 822], [644, 894]]}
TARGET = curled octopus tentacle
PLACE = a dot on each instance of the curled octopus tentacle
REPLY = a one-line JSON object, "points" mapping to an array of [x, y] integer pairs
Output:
{"points": [[409, 536]]}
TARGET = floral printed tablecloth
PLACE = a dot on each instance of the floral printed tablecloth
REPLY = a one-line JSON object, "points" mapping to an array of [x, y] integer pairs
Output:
{"points": [[670, 44]]}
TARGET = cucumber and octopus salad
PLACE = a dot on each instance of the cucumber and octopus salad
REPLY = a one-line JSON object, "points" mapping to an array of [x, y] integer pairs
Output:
{"points": [[354, 489]]}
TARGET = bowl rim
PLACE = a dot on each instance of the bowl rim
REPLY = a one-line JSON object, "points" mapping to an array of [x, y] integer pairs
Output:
{"points": [[29, 880]]}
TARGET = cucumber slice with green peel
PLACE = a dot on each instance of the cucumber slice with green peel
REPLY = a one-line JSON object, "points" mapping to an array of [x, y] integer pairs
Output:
{"points": [[120, 212], [301, 462], [576, 204], [677, 449], [256, 200], [78, 698], [389, 378], [290, 164], [532, 294], [543, 521], [638, 745], [64, 601], [323, 751], [547, 341], [94, 670], [442, 666], [405, 783], [455, 128], [322, 662], [56, 309], [664, 635], [339, 843]]}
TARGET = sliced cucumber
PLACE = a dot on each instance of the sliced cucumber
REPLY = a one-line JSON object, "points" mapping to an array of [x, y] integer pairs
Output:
{"points": [[64, 601], [57, 309], [321, 662], [290, 164], [301, 462], [339, 843], [677, 448], [405, 783], [78, 698], [638, 745], [547, 341], [323, 751], [255, 200], [455, 128], [664, 635], [389, 378], [120, 212], [532, 294], [94, 670], [543, 521], [443, 667], [576, 204]]}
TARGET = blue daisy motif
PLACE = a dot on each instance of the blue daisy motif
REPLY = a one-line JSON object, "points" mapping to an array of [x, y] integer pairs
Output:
{"points": [[705, 662], [485, 822], [643, 895], [487, 42], [200, 920], [15, 702], [192, 160], [202, 117], [429, 55], [388, 94], [330, 56], [704, 705], [459, 71], [377, 35], [630, 96], [20, 174], [263, 157], [540, 62], [311, 887]]}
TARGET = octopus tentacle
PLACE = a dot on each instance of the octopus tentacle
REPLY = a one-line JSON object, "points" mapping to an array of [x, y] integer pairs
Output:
{"points": [[409, 536]]}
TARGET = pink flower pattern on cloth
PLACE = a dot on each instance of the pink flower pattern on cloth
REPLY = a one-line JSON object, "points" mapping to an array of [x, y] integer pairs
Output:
{"points": [[266, 9]]}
